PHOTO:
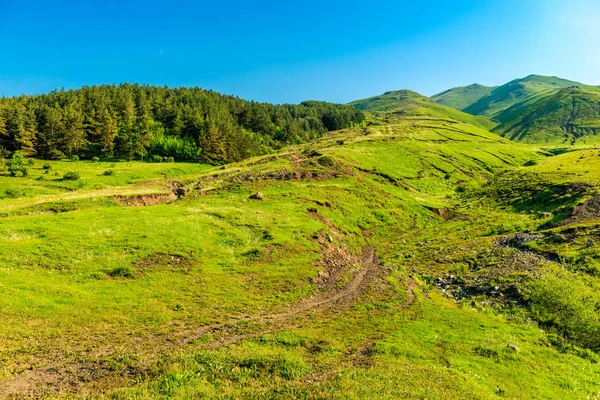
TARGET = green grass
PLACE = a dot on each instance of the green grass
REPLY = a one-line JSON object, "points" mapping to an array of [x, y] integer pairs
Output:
{"points": [[569, 116], [210, 295], [516, 91], [406, 102], [463, 96]]}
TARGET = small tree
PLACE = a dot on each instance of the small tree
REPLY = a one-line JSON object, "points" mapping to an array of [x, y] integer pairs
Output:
{"points": [[17, 164]]}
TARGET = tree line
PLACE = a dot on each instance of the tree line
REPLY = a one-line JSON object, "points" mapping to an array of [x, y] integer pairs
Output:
{"points": [[139, 121]]}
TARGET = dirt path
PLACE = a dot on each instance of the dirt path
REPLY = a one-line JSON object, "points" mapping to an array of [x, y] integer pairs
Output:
{"points": [[363, 271], [342, 281]]}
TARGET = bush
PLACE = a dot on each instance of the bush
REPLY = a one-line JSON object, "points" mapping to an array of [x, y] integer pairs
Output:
{"points": [[169, 159], [17, 164], [530, 163], [95, 159], [71, 176], [47, 167], [30, 162], [568, 306], [108, 172], [74, 158], [157, 159]]}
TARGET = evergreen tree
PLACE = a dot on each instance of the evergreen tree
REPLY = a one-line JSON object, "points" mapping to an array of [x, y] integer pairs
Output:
{"points": [[74, 133]]}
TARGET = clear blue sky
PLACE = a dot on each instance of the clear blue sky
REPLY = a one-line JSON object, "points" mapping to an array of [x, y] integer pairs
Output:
{"points": [[280, 51]]}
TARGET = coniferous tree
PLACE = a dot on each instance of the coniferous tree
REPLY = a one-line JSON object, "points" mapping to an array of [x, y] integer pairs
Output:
{"points": [[134, 120], [74, 133]]}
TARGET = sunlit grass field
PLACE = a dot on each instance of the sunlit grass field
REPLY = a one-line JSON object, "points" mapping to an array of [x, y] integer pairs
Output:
{"points": [[214, 294]]}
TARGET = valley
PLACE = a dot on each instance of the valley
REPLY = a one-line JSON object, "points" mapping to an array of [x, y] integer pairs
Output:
{"points": [[415, 255]]}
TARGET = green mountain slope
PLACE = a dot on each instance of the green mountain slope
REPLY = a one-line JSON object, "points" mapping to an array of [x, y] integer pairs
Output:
{"points": [[463, 96], [406, 103], [568, 116], [371, 268], [516, 91], [415, 257]]}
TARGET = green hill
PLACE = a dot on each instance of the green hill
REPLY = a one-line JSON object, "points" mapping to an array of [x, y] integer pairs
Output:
{"points": [[516, 91], [414, 256], [568, 116], [463, 96], [406, 103]]}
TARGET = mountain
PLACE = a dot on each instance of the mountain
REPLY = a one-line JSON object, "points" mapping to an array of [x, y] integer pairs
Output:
{"points": [[567, 116], [505, 96], [406, 102], [463, 96]]}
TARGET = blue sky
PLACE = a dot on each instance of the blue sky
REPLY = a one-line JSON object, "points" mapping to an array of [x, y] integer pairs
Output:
{"points": [[281, 51]]}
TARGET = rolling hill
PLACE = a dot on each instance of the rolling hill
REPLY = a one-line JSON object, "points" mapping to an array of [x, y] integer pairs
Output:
{"points": [[568, 116], [415, 256], [377, 263], [463, 96], [406, 103], [516, 91]]}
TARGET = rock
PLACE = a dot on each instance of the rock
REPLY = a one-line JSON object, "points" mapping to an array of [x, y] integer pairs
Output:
{"points": [[513, 348], [546, 215], [329, 238], [256, 196], [558, 238]]}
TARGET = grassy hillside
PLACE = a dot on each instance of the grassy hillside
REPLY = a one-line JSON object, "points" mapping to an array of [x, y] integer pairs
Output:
{"points": [[406, 102], [379, 263], [569, 116], [463, 96], [516, 91]]}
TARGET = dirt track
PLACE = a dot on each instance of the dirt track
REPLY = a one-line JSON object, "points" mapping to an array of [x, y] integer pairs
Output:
{"points": [[344, 279]]}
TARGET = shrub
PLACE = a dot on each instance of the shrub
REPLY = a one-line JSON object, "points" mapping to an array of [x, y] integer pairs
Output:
{"points": [[17, 164], [530, 163], [71, 176], [13, 193], [30, 162], [95, 159], [568, 306], [47, 167], [74, 158], [108, 172], [157, 159], [169, 159]]}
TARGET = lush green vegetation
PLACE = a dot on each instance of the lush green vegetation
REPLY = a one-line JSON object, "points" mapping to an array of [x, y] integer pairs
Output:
{"points": [[515, 91], [535, 109], [419, 256], [406, 102], [463, 96], [569, 116], [188, 124]]}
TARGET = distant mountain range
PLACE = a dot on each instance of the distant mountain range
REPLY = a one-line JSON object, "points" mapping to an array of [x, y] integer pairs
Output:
{"points": [[534, 109]]}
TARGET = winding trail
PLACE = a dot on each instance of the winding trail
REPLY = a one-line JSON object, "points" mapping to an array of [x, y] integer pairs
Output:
{"points": [[340, 284]]}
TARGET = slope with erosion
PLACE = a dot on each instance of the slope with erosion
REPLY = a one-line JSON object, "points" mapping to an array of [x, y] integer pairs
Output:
{"points": [[463, 96], [516, 91], [324, 288], [568, 116]]}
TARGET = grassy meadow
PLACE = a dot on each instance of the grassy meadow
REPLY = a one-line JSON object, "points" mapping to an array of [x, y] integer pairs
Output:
{"points": [[381, 262]]}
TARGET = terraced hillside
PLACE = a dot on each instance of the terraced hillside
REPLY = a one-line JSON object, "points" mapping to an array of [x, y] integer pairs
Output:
{"points": [[416, 257]]}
